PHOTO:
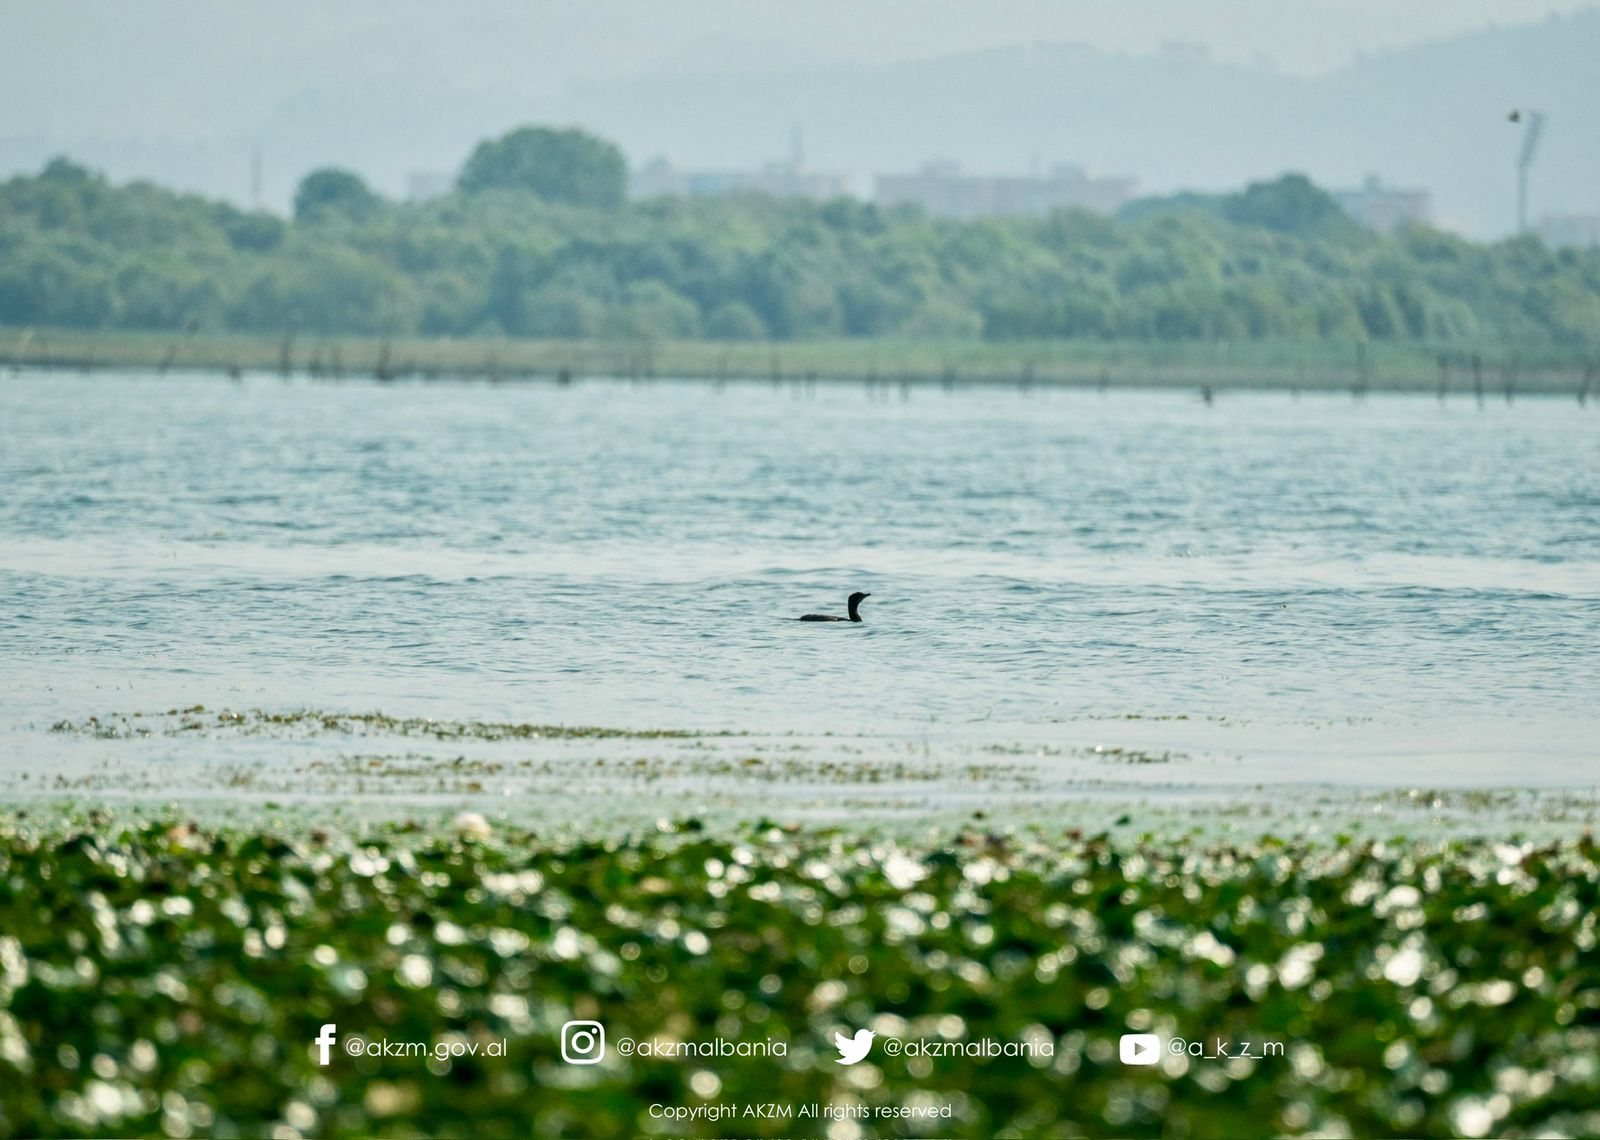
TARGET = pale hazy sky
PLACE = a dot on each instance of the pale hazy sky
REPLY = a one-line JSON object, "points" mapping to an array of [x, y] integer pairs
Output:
{"points": [[179, 68], [240, 98]]}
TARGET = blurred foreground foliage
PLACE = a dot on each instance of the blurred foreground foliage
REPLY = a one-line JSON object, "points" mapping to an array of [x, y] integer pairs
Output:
{"points": [[531, 247], [162, 979]]}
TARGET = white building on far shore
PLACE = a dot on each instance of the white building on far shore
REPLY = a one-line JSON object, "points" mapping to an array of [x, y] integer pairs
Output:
{"points": [[661, 176], [1579, 231], [944, 189], [790, 178], [1386, 208]]}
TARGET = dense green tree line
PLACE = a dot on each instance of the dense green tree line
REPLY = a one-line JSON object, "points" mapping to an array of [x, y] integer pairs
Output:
{"points": [[537, 241]]}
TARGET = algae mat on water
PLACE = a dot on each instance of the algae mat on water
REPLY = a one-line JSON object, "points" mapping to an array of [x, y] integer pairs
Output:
{"points": [[161, 979]]}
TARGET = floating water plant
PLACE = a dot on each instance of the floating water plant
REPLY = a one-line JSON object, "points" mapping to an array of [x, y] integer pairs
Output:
{"points": [[159, 977]]}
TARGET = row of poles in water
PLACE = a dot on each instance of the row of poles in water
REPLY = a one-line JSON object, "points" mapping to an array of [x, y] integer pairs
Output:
{"points": [[325, 361]]}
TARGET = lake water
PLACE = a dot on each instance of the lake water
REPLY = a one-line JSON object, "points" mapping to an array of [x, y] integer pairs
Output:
{"points": [[1382, 590]]}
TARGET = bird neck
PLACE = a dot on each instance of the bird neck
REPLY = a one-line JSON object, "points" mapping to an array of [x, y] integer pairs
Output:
{"points": [[853, 615]]}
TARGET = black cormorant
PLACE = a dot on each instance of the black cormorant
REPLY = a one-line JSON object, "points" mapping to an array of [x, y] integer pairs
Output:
{"points": [[855, 613]]}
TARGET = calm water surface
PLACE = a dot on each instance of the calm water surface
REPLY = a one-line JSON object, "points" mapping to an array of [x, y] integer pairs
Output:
{"points": [[624, 555]]}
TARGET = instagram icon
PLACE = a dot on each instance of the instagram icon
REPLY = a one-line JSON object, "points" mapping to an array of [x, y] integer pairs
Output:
{"points": [[583, 1042]]}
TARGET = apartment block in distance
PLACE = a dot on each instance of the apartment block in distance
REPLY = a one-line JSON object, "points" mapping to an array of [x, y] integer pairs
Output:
{"points": [[1577, 231], [945, 190], [1385, 208]]}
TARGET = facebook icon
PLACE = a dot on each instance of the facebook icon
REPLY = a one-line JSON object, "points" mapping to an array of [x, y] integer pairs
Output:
{"points": [[323, 1041]]}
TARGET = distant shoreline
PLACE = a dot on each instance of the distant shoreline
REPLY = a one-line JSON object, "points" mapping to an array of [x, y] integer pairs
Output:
{"points": [[1489, 372]]}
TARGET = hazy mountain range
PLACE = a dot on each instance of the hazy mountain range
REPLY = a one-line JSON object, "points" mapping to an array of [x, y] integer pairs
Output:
{"points": [[1431, 115]]}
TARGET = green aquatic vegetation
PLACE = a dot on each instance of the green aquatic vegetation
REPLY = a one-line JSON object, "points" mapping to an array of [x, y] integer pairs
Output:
{"points": [[1113, 755], [177, 722], [112, 728], [1109, 754], [1475, 799], [158, 977], [1154, 717]]}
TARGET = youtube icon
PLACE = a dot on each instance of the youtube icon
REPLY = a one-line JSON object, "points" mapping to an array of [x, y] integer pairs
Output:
{"points": [[1140, 1049]]}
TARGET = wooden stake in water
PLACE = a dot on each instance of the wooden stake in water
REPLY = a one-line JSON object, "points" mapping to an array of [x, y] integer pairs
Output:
{"points": [[22, 350]]}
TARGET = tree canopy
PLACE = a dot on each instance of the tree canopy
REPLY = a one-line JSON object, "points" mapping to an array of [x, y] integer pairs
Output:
{"points": [[570, 166], [331, 191], [1272, 261]]}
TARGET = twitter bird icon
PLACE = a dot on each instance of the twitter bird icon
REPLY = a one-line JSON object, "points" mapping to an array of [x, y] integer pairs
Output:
{"points": [[853, 1049]]}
